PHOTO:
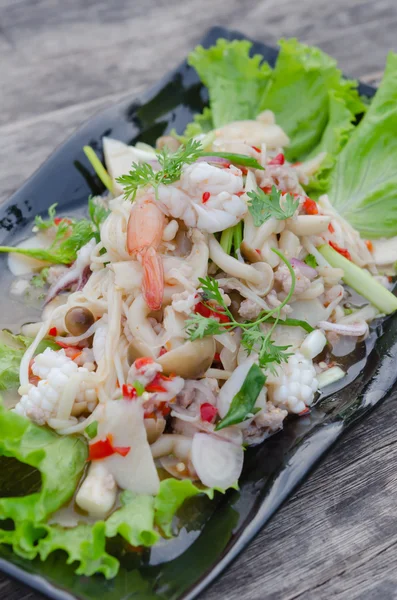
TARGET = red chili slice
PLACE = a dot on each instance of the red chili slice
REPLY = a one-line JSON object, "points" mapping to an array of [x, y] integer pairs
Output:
{"points": [[277, 160], [310, 207], [205, 197], [155, 385], [205, 311], [256, 148], [104, 448], [331, 228], [53, 331], [342, 251], [208, 412], [129, 392], [122, 450], [143, 362], [100, 449]]}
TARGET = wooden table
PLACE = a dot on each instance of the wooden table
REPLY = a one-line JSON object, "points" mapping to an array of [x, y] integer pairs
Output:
{"points": [[62, 61]]}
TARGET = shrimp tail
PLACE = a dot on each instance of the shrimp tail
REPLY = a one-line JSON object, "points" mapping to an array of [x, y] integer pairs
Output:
{"points": [[153, 278]]}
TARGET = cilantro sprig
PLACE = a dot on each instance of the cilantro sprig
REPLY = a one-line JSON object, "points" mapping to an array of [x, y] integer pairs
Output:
{"points": [[253, 337], [70, 235], [264, 206], [171, 165]]}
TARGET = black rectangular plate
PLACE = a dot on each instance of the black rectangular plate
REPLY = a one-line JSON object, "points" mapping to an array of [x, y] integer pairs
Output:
{"points": [[216, 532]]}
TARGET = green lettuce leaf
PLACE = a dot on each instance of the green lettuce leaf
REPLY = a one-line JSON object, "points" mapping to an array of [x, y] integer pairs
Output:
{"points": [[12, 349], [364, 183], [335, 136], [171, 496], [298, 94], [60, 461], [134, 521], [202, 123], [84, 544], [236, 82]]}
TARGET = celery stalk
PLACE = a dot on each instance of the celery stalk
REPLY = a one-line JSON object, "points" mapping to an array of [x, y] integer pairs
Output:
{"points": [[361, 281], [237, 236], [227, 240], [98, 167]]}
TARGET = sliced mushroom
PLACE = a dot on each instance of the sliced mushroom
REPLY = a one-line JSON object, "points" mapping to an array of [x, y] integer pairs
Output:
{"points": [[265, 285], [190, 360], [250, 253], [78, 320], [167, 141], [136, 349], [154, 428]]}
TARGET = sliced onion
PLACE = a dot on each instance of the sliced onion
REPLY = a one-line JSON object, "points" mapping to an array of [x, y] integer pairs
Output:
{"points": [[214, 159], [218, 463], [170, 464], [354, 330], [307, 271]]}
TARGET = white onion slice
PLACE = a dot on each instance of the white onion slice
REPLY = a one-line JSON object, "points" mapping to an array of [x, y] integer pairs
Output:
{"points": [[218, 463], [218, 160], [354, 330]]}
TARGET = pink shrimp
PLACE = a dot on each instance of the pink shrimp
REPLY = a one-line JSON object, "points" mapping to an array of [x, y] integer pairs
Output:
{"points": [[144, 233]]}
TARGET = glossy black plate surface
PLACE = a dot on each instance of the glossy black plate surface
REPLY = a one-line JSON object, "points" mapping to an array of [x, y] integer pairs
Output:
{"points": [[212, 533]]}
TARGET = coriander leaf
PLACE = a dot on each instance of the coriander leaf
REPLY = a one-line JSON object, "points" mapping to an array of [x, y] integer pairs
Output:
{"points": [[364, 182], [236, 82], [92, 430], [311, 261], [211, 290], [42, 224], [140, 175], [243, 403], [171, 165], [271, 355], [197, 327], [40, 280], [97, 211], [264, 206], [298, 94], [70, 237]]}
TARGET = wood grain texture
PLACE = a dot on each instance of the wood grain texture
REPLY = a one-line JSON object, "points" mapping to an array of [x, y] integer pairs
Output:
{"points": [[62, 61]]}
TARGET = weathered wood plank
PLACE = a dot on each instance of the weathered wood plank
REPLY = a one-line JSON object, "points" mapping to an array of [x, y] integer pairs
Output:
{"points": [[64, 61]]}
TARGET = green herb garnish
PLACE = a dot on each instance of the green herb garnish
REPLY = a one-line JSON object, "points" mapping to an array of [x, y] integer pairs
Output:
{"points": [[311, 261], [243, 403], [264, 206], [253, 338], [171, 165], [92, 430]]}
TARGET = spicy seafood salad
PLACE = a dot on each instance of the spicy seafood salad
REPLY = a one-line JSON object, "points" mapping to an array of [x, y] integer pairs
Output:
{"points": [[197, 305]]}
